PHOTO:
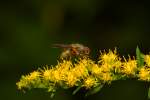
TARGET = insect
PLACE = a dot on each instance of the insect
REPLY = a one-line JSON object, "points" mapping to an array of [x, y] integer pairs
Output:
{"points": [[73, 50]]}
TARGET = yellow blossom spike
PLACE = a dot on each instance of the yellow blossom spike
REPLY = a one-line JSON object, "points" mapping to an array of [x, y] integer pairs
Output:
{"points": [[86, 73]]}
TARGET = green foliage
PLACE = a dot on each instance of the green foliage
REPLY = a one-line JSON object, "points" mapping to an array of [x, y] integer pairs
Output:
{"points": [[149, 93], [94, 90], [139, 57], [76, 90]]}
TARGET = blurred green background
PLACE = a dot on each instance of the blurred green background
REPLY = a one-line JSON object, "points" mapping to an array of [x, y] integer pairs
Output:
{"points": [[28, 28]]}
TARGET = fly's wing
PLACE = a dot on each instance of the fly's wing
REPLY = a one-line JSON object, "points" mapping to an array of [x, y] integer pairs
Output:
{"points": [[61, 46], [66, 50]]}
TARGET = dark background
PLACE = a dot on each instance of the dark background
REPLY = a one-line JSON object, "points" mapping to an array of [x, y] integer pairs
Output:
{"points": [[28, 28]]}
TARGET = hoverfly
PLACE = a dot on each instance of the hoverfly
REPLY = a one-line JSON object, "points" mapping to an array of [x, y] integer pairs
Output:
{"points": [[73, 50]]}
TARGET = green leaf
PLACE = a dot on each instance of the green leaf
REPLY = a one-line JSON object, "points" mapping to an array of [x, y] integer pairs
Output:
{"points": [[149, 93], [76, 90], [139, 57], [94, 90], [52, 95]]}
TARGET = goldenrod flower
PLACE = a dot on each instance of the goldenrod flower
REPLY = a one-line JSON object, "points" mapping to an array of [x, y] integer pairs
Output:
{"points": [[64, 65], [110, 61], [147, 59], [51, 75], [144, 74], [129, 67], [71, 79], [106, 77], [109, 57], [82, 67], [58, 72], [27, 80], [86, 72], [96, 70], [47, 74], [33, 75], [80, 71], [89, 82]]}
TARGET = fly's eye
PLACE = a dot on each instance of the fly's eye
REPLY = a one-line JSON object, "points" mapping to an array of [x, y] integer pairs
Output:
{"points": [[74, 51]]}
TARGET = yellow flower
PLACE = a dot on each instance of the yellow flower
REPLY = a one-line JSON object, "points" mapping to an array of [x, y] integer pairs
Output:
{"points": [[53, 75], [80, 71], [147, 59], [89, 82], [96, 70], [106, 77], [71, 79], [129, 67], [33, 75], [106, 67], [58, 72], [81, 68], [64, 65], [109, 57], [48, 74], [144, 74], [25, 81], [110, 61]]}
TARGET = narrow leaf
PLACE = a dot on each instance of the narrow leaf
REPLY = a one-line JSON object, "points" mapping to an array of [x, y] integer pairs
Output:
{"points": [[52, 95], [149, 93], [94, 90], [76, 90], [139, 57]]}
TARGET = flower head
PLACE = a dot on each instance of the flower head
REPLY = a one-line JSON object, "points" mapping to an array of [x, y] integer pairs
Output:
{"points": [[96, 70], [106, 77], [28, 80], [109, 57], [71, 79], [89, 82], [110, 61], [129, 67], [144, 74]]}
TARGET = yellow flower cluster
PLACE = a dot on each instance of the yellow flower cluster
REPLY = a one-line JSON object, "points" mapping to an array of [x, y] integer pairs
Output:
{"points": [[27, 80], [89, 82], [129, 67], [110, 61], [144, 74], [86, 72]]}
